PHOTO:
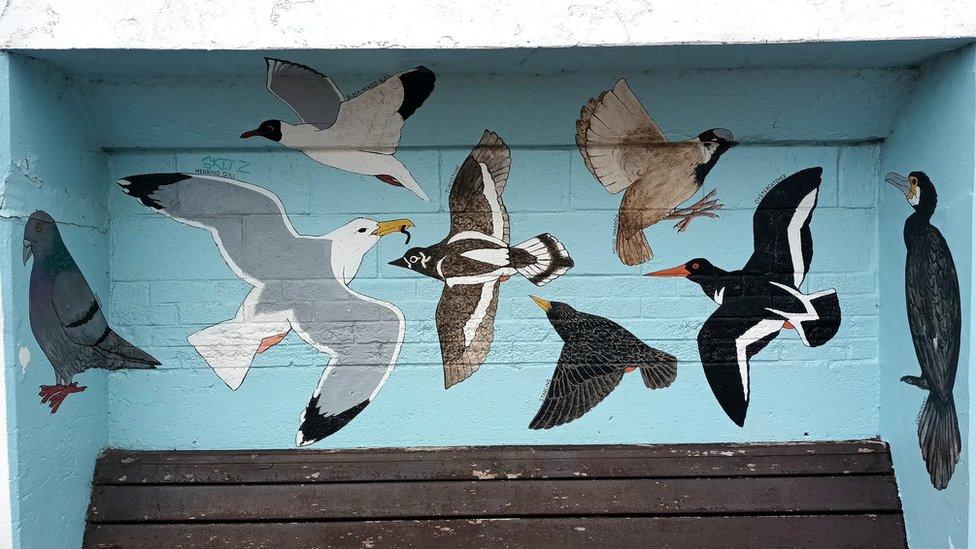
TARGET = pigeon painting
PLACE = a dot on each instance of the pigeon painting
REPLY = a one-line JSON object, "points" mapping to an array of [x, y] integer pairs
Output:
{"points": [[300, 283], [475, 258], [758, 301], [596, 354], [935, 322], [626, 151], [66, 317], [358, 134]]}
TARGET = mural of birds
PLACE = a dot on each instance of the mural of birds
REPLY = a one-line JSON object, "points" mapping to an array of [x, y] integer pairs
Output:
{"points": [[475, 258], [66, 317], [358, 134], [300, 283], [935, 320], [626, 151], [596, 354], [763, 297]]}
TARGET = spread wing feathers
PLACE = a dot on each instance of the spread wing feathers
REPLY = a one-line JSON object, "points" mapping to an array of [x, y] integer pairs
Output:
{"points": [[934, 312], [224, 207], [373, 120], [614, 134], [726, 343], [312, 95], [476, 193], [588, 371], [81, 318], [783, 246], [466, 326], [576, 387]]}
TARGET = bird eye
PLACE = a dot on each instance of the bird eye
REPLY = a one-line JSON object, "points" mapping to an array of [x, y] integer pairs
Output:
{"points": [[363, 230], [694, 265]]}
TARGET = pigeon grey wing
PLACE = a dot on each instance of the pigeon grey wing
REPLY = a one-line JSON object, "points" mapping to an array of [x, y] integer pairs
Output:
{"points": [[476, 193], [247, 222], [83, 323], [465, 327], [579, 383], [312, 95]]}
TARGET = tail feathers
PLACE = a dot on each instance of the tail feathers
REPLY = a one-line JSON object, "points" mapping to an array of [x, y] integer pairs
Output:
{"points": [[938, 437], [550, 259], [632, 248], [315, 426], [417, 84], [660, 374]]}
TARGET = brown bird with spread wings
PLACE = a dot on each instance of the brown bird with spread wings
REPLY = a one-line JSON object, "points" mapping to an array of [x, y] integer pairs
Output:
{"points": [[626, 151]]}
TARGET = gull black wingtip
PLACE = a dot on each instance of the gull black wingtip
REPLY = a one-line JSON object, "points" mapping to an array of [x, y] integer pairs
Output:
{"points": [[143, 186], [316, 426]]}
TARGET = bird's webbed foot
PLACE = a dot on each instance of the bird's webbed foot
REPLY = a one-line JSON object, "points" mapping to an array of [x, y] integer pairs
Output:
{"points": [[54, 395], [703, 208]]}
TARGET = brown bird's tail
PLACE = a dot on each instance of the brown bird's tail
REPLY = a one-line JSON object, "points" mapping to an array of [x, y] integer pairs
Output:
{"points": [[938, 437], [632, 246]]}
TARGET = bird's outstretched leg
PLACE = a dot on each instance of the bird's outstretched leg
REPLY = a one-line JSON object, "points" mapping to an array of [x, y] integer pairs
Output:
{"points": [[703, 208], [54, 395]]}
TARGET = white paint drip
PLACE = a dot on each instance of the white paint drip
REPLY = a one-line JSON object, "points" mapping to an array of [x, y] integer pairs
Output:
{"points": [[23, 357]]}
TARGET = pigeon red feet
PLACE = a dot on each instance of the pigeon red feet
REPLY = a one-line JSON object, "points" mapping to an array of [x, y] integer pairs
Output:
{"points": [[389, 180], [54, 395], [703, 208]]}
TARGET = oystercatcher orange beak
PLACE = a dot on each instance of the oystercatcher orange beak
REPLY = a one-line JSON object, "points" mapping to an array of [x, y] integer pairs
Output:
{"points": [[680, 270]]}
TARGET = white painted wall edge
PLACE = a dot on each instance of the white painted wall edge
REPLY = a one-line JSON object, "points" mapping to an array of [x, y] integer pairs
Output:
{"points": [[331, 24]]}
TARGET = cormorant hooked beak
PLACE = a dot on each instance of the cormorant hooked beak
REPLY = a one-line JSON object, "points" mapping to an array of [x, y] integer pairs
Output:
{"points": [[28, 251], [680, 270], [546, 306], [903, 184]]}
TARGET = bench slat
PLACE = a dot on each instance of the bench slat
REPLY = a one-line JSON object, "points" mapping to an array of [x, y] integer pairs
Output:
{"points": [[136, 471], [712, 531], [871, 493]]}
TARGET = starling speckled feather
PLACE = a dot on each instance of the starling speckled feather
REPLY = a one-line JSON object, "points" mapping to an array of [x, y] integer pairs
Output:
{"points": [[596, 354]]}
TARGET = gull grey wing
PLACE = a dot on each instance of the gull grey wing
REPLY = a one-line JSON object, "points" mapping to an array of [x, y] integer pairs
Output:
{"points": [[364, 337], [83, 323], [783, 245], [465, 326], [581, 381], [314, 96], [247, 222], [476, 193]]}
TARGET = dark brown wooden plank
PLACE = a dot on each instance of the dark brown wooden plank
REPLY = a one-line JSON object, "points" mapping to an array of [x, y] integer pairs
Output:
{"points": [[136, 471], [713, 532], [500, 498], [501, 452]]}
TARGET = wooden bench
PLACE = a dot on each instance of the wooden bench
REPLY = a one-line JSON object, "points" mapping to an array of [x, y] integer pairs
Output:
{"points": [[824, 494]]}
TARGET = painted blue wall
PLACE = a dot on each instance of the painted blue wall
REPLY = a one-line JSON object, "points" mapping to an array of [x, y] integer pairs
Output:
{"points": [[168, 280], [935, 133], [53, 164]]}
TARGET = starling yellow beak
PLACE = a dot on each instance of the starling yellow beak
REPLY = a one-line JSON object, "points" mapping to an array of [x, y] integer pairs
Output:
{"points": [[542, 303], [393, 226]]}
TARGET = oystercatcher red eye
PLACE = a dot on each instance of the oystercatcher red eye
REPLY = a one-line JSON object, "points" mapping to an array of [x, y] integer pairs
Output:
{"points": [[694, 265]]}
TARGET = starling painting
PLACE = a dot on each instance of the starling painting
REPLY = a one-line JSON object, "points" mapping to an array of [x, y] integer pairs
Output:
{"points": [[66, 317], [596, 354], [626, 151], [475, 258], [935, 322]]}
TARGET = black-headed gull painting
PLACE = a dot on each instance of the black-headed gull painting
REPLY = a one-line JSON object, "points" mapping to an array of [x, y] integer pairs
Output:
{"points": [[359, 134], [301, 283]]}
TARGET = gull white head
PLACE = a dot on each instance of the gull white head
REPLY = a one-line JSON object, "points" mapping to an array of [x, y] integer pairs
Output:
{"points": [[351, 241]]}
